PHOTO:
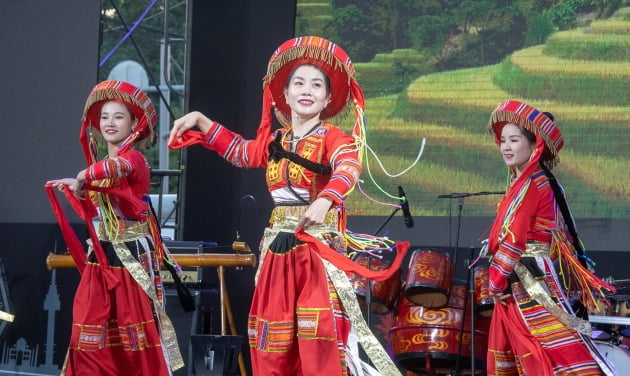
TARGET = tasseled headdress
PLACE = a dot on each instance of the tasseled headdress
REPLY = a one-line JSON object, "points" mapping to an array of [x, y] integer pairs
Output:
{"points": [[533, 120], [345, 92], [132, 97]]}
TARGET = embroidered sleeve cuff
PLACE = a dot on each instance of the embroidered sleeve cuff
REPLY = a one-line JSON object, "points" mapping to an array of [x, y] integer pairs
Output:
{"points": [[497, 281], [110, 168], [334, 196]]}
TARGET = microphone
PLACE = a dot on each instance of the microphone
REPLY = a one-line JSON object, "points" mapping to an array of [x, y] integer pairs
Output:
{"points": [[404, 205]]}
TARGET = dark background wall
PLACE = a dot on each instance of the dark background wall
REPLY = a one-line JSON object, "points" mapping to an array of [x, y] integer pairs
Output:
{"points": [[49, 62]]}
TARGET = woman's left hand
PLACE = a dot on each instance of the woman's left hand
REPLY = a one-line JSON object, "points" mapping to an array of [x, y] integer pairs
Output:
{"points": [[316, 212], [72, 184], [499, 298]]}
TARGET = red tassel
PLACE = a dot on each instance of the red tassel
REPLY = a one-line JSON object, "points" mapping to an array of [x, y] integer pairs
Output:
{"points": [[72, 241]]}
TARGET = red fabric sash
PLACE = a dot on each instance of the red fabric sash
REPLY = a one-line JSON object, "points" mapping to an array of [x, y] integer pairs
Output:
{"points": [[344, 263], [85, 211], [72, 241], [189, 138]]}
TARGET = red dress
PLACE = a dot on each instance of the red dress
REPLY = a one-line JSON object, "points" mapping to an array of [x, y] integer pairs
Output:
{"points": [[535, 332], [119, 324]]}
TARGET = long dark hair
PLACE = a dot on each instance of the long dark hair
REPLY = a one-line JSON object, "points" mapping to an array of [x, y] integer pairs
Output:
{"points": [[558, 194]]}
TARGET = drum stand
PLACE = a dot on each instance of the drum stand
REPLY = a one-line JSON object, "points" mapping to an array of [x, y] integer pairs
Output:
{"points": [[471, 290], [368, 293]]}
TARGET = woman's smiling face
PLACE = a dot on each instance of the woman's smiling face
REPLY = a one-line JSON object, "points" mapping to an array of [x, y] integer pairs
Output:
{"points": [[516, 149], [116, 122], [307, 92]]}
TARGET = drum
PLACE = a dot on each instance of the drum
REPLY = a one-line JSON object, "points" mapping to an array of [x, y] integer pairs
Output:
{"points": [[601, 331], [622, 309], [426, 340], [484, 304], [429, 277], [383, 293], [617, 355], [613, 331]]}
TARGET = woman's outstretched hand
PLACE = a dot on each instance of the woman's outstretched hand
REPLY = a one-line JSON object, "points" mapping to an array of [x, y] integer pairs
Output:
{"points": [[71, 183], [74, 184], [189, 121]]}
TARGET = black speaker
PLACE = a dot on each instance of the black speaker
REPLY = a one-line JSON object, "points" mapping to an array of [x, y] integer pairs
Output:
{"points": [[214, 355], [182, 321], [203, 285], [205, 320]]}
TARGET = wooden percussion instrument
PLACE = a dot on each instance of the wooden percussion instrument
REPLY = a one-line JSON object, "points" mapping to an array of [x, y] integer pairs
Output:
{"points": [[54, 261], [383, 294]]}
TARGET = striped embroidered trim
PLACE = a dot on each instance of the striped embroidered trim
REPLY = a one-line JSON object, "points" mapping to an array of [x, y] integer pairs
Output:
{"points": [[538, 292], [270, 336], [308, 322], [130, 337], [504, 363]]}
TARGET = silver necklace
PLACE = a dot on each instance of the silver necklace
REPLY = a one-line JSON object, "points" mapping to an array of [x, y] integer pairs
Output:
{"points": [[295, 138]]}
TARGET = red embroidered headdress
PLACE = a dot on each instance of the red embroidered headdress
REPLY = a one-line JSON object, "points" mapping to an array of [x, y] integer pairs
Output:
{"points": [[322, 53], [548, 142], [136, 101], [330, 58], [533, 120]]}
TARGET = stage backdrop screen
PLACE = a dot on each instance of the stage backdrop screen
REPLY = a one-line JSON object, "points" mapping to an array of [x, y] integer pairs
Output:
{"points": [[435, 73]]}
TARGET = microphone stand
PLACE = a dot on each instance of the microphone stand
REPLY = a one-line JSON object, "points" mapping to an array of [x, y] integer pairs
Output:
{"points": [[396, 210], [368, 292], [471, 290], [471, 278], [460, 204]]}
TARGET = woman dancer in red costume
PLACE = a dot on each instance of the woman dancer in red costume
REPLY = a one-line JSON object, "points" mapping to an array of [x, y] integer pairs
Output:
{"points": [[119, 323], [304, 318], [534, 330]]}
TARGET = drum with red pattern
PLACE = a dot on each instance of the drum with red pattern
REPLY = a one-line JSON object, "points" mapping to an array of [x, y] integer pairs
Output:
{"points": [[384, 293], [429, 278], [484, 304], [426, 341]]}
